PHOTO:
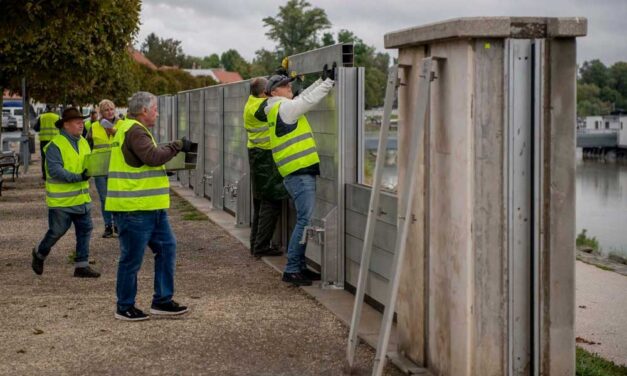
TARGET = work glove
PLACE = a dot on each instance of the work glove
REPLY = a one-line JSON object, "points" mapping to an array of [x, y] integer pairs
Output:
{"points": [[184, 145], [84, 175], [329, 72]]}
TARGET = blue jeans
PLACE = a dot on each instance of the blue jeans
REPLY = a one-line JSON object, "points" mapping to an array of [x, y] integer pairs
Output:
{"points": [[59, 221], [302, 189], [136, 231], [101, 186]]}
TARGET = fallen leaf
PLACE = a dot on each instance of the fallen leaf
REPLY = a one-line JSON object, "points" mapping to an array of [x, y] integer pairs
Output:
{"points": [[37, 331], [583, 306], [21, 351]]}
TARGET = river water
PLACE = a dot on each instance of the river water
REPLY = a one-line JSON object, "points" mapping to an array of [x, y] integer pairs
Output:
{"points": [[602, 203]]}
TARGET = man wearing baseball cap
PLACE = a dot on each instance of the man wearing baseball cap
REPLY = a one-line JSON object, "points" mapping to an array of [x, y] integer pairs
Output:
{"points": [[295, 153], [67, 194]]}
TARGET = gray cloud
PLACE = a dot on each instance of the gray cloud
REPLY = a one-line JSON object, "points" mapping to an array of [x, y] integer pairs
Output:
{"points": [[207, 27]]}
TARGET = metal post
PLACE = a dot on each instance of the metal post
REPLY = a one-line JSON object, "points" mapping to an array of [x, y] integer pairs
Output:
{"points": [[373, 212], [424, 86], [24, 143]]}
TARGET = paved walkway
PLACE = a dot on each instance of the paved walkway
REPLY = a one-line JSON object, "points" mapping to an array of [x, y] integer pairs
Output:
{"points": [[601, 317], [244, 320]]}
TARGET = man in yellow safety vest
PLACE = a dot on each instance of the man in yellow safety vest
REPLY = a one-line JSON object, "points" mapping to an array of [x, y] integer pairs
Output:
{"points": [[67, 194], [295, 154], [267, 184], [138, 194], [47, 130]]}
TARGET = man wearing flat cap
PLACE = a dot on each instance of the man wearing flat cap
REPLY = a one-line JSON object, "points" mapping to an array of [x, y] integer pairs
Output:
{"points": [[67, 194], [295, 154]]}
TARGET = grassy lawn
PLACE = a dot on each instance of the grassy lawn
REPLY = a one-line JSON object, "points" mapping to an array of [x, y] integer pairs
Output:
{"points": [[589, 364]]}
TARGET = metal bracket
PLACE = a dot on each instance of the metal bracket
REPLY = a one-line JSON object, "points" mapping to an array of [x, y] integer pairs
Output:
{"points": [[312, 233]]}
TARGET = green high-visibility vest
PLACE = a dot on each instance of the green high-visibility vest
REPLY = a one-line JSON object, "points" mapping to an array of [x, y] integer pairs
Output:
{"points": [[60, 194], [295, 150], [47, 129], [134, 188], [102, 141], [88, 125], [257, 130]]}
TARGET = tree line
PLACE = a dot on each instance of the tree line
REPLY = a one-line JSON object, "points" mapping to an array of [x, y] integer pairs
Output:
{"points": [[77, 52], [298, 27], [601, 89]]}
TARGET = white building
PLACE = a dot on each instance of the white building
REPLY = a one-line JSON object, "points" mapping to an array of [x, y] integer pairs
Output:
{"points": [[594, 122]]}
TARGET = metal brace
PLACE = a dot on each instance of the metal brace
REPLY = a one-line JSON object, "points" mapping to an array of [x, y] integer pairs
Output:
{"points": [[312, 232]]}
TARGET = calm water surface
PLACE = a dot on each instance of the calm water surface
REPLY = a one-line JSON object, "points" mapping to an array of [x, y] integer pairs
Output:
{"points": [[602, 203]]}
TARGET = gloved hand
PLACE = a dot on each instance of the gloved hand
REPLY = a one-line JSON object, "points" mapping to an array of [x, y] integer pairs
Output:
{"points": [[184, 145], [84, 175], [329, 72]]}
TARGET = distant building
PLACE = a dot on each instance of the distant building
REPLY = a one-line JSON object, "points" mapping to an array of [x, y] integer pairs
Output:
{"points": [[219, 75], [140, 58], [594, 122]]}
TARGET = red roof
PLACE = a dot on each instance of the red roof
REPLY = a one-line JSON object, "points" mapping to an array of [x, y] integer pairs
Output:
{"points": [[141, 59], [225, 77], [7, 95]]}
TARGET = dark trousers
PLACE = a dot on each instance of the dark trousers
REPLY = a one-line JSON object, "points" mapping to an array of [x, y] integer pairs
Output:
{"points": [[266, 213], [43, 158]]}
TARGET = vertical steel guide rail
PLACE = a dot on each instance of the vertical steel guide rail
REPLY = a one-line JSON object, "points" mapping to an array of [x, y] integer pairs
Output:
{"points": [[420, 120], [373, 212]]}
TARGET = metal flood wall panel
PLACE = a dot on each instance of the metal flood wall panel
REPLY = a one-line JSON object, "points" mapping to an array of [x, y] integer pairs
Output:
{"points": [[196, 112], [357, 201], [235, 150], [160, 127], [214, 149], [183, 129]]}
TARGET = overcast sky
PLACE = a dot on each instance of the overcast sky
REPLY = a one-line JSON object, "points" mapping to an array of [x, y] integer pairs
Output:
{"points": [[207, 26]]}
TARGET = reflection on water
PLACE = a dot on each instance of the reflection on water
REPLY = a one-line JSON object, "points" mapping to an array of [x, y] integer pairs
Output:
{"points": [[602, 203]]}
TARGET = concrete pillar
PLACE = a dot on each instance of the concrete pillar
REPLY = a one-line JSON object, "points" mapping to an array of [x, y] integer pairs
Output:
{"points": [[487, 285]]}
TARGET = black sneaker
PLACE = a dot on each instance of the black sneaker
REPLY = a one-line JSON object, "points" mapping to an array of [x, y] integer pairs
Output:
{"points": [[310, 274], [86, 272], [131, 314], [37, 263], [115, 230], [108, 232], [268, 252], [170, 308], [297, 279]]}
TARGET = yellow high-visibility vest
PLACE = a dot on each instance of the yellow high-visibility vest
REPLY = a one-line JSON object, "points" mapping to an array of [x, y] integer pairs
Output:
{"points": [[60, 194], [257, 130], [295, 150], [102, 141], [134, 188], [47, 129]]}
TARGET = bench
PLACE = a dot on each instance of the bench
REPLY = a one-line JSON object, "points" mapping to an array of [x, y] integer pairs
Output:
{"points": [[9, 162]]}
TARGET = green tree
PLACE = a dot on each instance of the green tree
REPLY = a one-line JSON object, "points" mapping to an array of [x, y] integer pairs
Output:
{"points": [[264, 63], [232, 61], [211, 61], [327, 39], [163, 51], [618, 74], [595, 72], [56, 47], [375, 64], [296, 27]]}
